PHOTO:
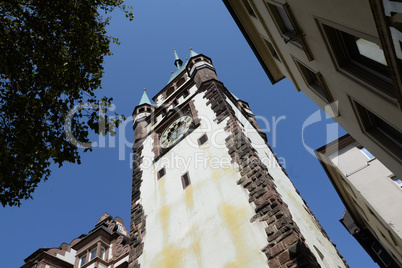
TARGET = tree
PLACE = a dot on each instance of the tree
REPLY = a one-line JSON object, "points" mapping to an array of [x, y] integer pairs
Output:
{"points": [[51, 55]]}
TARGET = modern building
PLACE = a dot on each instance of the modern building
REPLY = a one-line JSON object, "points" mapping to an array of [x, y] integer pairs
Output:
{"points": [[372, 195], [344, 55], [208, 191], [105, 246]]}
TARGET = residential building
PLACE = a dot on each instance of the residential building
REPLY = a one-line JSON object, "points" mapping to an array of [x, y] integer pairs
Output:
{"points": [[208, 191], [344, 55], [105, 246], [372, 195]]}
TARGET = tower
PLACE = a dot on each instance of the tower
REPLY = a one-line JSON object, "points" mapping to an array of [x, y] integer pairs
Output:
{"points": [[207, 189]]}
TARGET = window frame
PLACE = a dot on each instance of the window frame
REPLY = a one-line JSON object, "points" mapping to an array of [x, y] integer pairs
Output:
{"points": [[352, 63], [164, 173], [316, 82], [91, 253], [296, 36], [83, 260], [183, 180], [369, 124], [199, 139]]}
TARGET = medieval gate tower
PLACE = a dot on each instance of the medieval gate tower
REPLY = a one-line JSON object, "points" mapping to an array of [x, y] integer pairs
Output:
{"points": [[208, 190]]}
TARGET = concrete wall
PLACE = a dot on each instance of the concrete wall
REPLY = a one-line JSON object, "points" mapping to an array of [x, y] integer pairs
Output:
{"points": [[372, 190]]}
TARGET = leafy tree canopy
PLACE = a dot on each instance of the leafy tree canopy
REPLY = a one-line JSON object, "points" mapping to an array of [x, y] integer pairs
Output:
{"points": [[51, 55]]}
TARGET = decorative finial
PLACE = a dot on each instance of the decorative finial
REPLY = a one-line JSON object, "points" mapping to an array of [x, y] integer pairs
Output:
{"points": [[191, 48], [145, 89], [171, 72]]}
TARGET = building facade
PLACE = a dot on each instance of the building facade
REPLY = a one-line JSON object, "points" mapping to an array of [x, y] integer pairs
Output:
{"points": [[344, 55], [372, 195], [105, 246], [208, 191]]}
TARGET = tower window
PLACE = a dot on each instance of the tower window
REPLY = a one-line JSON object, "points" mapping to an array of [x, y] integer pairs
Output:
{"points": [[169, 91], [161, 173], [141, 110], [203, 139], [185, 180]]}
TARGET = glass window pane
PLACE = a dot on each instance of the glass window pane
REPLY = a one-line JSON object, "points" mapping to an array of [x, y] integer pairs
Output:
{"points": [[93, 254], [285, 19], [371, 50]]}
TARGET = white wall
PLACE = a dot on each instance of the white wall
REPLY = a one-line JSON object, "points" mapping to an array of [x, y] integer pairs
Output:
{"points": [[208, 223]]}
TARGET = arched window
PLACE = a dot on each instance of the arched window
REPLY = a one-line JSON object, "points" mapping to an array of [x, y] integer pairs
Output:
{"points": [[180, 82], [169, 91]]}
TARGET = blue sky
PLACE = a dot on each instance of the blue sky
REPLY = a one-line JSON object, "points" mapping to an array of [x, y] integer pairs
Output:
{"points": [[73, 199]]}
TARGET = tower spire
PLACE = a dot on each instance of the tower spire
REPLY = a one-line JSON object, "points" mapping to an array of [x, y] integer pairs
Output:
{"points": [[178, 62], [144, 98], [193, 53]]}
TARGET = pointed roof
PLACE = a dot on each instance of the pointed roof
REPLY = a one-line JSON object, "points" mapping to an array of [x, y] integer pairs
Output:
{"points": [[144, 98], [178, 62], [193, 53], [234, 95], [182, 66]]}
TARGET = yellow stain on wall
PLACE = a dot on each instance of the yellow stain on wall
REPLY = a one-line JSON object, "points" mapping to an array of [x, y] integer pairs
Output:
{"points": [[164, 214], [234, 218], [169, 257], [195, 246], [188, 197]]}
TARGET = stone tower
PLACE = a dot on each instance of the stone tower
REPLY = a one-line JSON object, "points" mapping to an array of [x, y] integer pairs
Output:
{"points": [[208, 191]]}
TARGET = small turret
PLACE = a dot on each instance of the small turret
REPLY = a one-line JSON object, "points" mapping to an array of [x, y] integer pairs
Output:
{"points": [[200, 68], [140, 113]]}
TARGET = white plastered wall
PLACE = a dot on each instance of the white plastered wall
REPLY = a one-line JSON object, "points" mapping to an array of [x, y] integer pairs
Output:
{"points": [[208, 223]]}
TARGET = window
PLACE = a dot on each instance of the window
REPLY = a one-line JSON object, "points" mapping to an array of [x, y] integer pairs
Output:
{"points": [[141, 110], [83, 260], [282, 18], [102, 253], [380, 130], [287, 26], [315, 82], [360, 56], [271, 49], [397, 181], [365, 152], [161, 173], [203, 139], [185, 180], [249, 9], [169, 91], [93, 254]]}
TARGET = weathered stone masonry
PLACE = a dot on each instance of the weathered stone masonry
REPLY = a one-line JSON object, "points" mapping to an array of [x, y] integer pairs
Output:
{"points": [[137, 226]]}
